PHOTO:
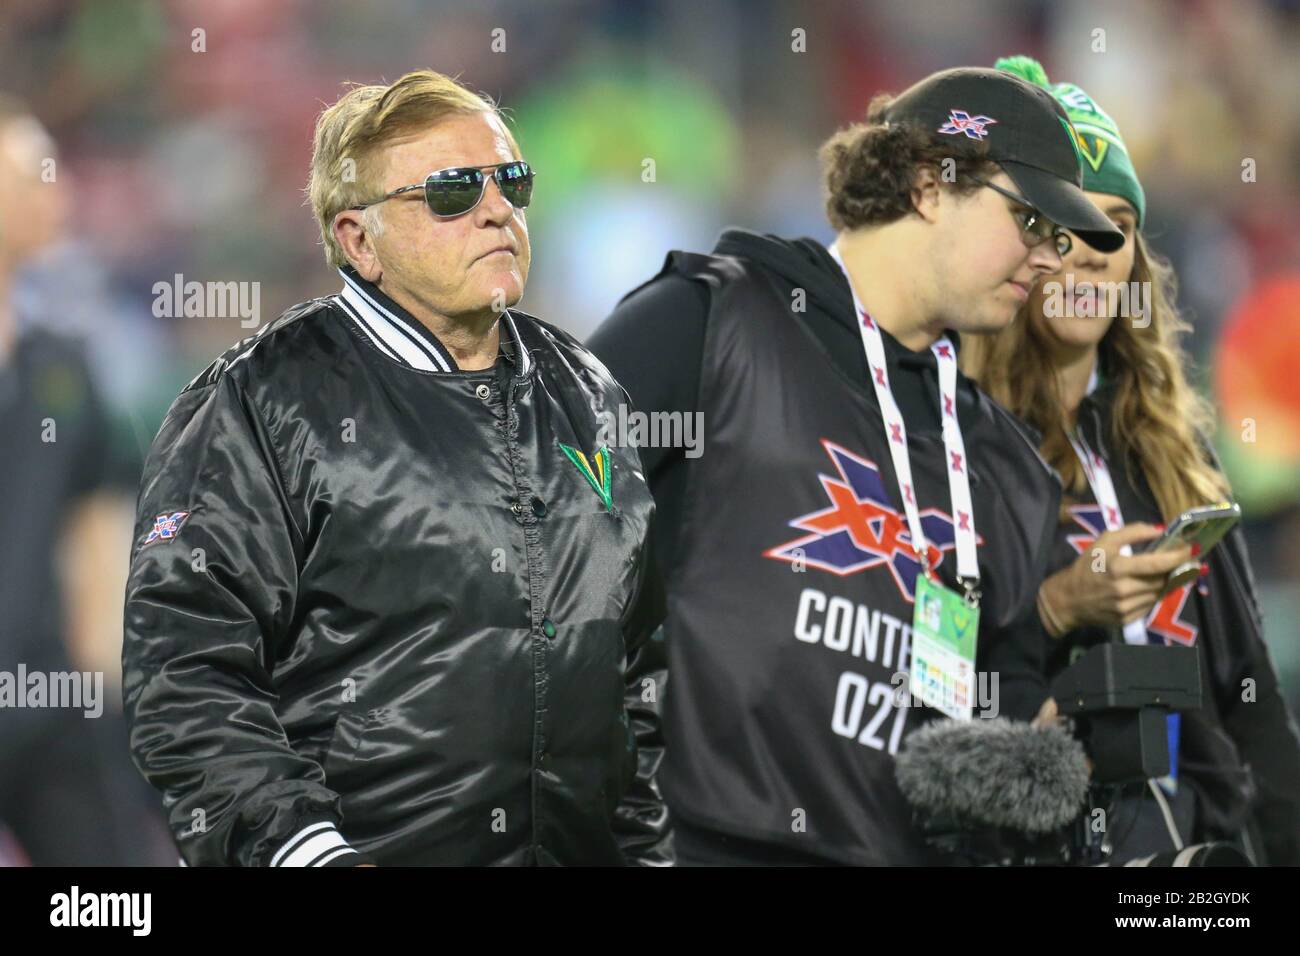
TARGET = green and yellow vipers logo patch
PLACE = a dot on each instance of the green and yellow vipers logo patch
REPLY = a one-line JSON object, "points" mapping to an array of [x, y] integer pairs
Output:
{"points": [[597, 471], [1095, 154]]}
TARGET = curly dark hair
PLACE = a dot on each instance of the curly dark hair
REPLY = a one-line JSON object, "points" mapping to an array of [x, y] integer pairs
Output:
{"points": [[870, 167]]}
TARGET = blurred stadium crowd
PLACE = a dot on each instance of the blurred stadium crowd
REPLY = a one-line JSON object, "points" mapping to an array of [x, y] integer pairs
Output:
{"points": [[183, 132]]}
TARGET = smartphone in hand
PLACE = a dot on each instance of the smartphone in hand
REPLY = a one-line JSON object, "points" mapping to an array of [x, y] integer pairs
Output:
{"points": [[1202, 528]]}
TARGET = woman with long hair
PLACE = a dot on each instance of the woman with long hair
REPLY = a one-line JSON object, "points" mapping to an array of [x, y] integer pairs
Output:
{"points": [[1094, 364]]}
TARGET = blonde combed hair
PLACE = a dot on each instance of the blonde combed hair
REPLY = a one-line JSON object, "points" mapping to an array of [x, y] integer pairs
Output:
{"points": [[352, 133], [1159, 423]]}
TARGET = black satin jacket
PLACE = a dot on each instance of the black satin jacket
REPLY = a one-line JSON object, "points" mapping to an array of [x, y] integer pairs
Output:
{"points": [[383, 608]]}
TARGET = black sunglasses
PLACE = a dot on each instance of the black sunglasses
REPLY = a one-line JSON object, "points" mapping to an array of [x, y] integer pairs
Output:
{"points": [[1034, 227], [455, 191]]}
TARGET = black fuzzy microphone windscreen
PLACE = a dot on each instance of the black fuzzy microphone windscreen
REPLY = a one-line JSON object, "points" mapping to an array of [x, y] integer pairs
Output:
{"points": [[994, 773]]}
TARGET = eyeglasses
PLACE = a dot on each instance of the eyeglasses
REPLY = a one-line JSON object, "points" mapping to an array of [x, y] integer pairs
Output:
{"points": [[1034, 227], [455, 191]]}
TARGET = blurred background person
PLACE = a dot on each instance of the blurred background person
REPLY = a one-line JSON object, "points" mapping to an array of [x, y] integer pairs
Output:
{"points": [[67, 791], [1101, 377]]}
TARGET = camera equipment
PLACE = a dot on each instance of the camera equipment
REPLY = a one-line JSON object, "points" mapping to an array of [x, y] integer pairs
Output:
{"points": [[1000, 793], [1120, 695]]}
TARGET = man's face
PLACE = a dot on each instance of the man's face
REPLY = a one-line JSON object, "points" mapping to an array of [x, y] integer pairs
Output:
{"points": [[983, 271], [1093, 310], [451, 266]]}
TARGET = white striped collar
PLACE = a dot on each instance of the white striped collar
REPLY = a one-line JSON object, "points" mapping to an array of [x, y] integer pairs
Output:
{"points": [[521, 357], [405, 339]]}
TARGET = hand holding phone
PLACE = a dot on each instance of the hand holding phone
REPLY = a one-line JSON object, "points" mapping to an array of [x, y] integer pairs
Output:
{"points": [[1126, 589], [1201, 528], [1198, 528]]}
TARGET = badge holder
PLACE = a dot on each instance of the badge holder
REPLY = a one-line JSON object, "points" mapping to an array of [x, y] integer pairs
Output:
{"points": [[945, 626]]}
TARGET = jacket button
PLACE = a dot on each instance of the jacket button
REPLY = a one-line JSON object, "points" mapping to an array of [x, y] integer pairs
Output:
{"points": [[539, 507], [516, 508], [483, 392], [548, 628]]}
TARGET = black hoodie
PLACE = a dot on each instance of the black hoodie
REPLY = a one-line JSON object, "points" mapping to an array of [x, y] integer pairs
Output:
{"points": [[653, 343], [778, 709]]}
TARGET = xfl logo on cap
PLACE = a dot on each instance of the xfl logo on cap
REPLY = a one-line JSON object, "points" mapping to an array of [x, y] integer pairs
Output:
{"points": [[959, 121]]}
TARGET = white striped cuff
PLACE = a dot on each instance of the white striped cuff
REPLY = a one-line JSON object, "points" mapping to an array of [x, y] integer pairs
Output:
{"points": [[314, 845]]}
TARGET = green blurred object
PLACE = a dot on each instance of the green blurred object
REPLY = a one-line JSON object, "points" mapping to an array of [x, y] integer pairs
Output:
{"points": [[604, 120], [113, 42], [1260, 485], [1280, 606]]}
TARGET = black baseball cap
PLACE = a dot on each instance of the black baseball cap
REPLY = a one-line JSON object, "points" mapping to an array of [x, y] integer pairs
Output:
{"points": [[1024, 130]]}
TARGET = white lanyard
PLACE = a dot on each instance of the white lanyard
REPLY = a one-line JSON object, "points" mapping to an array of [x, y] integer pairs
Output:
{"points": [[963, 515], [1103, 489]]}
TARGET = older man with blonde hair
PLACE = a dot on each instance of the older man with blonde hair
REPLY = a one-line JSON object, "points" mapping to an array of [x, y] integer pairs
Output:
{"points": [[389, 601]]}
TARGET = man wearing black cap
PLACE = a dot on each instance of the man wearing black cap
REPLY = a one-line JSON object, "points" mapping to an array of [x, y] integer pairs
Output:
{"points": [[861, 521]]}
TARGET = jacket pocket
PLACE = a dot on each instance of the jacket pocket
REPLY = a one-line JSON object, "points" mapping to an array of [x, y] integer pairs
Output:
{"points": [[349, 735]]}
